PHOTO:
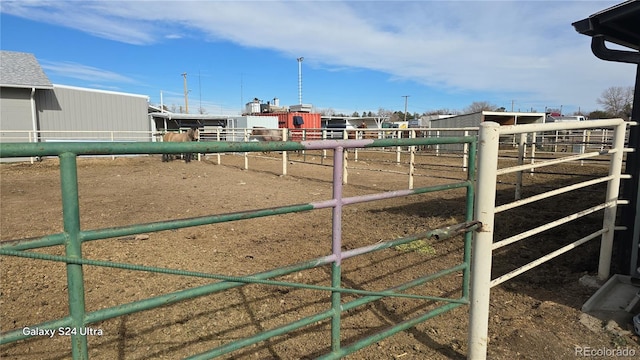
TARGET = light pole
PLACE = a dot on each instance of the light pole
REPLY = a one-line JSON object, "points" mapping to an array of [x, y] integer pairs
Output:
{"points": [[186, 94], [300, 80]]}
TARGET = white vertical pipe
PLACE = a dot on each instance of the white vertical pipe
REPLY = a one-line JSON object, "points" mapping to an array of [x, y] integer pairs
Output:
{"points": [[522, 145], [489, 135], [345, 172], [533, 152], [324, 151], [465, 153], [34, 121], [218, 139], [358, 136], [412, 159], [199, 154], [583, 147], [398, 148], [113, 157], [613, 191], [246, 154], [285, 135]]}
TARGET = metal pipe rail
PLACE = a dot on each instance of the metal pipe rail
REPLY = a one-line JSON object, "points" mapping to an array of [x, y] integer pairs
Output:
{"points": [[73, 237], [486, 210]]}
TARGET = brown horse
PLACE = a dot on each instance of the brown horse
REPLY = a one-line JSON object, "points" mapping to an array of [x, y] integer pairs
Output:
{"points": [[192, 134], [263, 134], [259, 133]]}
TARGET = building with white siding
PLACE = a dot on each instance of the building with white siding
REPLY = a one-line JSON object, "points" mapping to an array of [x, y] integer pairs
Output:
{"points": [[35, 110]]}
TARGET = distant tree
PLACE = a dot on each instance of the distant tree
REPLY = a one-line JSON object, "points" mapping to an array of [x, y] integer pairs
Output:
{"points": [[478, 106], [617, 101], [355, 114], [599, 114], [369, 114], [627, 110], [442, 111], [501, 109], [384, 113], [327, 112], [401, 116]]}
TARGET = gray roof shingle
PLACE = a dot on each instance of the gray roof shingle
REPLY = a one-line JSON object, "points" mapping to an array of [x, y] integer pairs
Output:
{"points": [[22, 70]]}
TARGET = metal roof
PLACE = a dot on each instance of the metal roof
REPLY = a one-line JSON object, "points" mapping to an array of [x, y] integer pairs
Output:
{"points": [[618, 24], [177, 116], [22, 70]]}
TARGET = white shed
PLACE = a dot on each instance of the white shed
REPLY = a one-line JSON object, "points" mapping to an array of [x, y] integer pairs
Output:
{"points": [[247, 122]]}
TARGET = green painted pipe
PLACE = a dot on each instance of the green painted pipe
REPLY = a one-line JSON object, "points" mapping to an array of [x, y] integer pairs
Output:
{"points": [[128, 148], [73, 249], [236, 345]]}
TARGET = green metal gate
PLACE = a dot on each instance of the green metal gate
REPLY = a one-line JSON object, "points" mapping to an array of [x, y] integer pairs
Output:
{"points": [[74, 236]]}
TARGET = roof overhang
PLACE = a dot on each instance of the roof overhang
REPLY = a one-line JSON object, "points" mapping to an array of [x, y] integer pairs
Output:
{"points": [[20, 86], [618, 24], [174, 116], [76, 88]]}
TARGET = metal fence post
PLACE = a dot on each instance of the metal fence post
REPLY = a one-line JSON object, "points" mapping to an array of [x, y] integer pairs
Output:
{"points": [[75, 280], [465, 153], [613, 191], [412, 159], [522, 150], [336, 248], [489, 135], [285, 137], [247, 135], [218, 139]]}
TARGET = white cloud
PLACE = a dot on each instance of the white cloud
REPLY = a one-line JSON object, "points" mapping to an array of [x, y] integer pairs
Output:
{"points": [[502, 46], [83, 72]]}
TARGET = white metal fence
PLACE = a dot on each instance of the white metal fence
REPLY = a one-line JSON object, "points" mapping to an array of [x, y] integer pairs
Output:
{"points": [[486, 210], [533, 147], [582, 141]]}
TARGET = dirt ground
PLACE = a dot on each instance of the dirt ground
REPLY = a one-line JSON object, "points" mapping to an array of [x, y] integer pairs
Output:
{"points": [[534, 316]]}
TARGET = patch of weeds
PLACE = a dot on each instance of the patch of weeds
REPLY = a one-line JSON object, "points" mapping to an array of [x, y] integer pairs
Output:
{"points": [[619, 341], [419, 246]]}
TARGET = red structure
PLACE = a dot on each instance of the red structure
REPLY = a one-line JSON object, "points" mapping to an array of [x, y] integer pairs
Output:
{"points": [[296, 122]]}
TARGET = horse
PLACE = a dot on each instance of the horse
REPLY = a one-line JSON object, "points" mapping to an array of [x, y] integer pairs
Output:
{"points": [[263, 134], [260, 133], [193, 134]]}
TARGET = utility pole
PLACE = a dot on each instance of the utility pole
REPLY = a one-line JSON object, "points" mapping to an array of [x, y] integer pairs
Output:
{"points": [[186, 94], [406, 98], [300, 79]]}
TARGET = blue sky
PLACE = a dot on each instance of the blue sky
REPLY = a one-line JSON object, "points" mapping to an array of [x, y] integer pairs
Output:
{"points": [[358, 55]]}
